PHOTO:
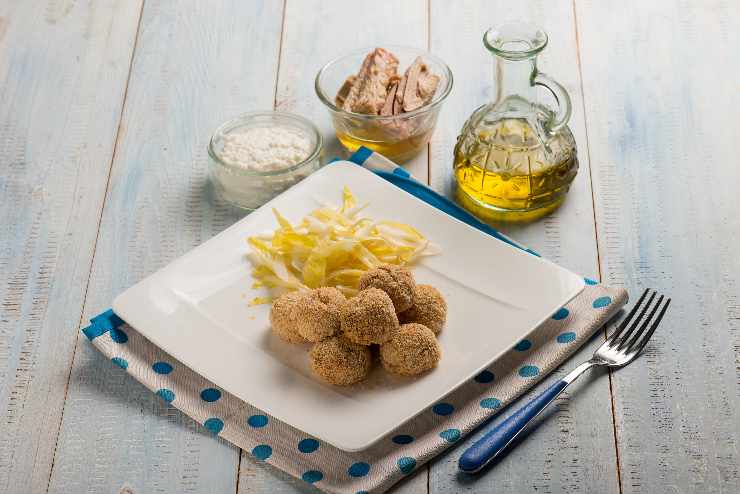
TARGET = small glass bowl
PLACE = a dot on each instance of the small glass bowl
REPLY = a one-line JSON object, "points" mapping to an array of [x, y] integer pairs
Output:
{"points": [[250, 189], [397, 137]]}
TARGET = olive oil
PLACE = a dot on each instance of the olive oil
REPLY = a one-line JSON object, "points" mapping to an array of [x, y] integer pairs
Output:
{"points": [[505, 171], [516, 157], [387, 140], [399, 151]]}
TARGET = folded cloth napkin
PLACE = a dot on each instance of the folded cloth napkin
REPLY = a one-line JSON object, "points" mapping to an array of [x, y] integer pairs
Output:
{"points": [[393, 457]]}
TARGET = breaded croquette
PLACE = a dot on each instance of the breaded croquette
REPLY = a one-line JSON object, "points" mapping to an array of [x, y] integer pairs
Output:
{"points": [[339, 361], [369, 317], [396, 281], [429, 309], [317, 313], [412, 350], [283, 317]]}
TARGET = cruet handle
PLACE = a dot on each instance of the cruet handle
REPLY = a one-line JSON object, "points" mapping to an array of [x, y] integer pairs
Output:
{"points": [[561, 117]]}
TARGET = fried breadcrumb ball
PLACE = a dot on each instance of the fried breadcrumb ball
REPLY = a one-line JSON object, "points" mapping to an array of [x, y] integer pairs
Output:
{"points": [[369, 317], [282, 317], [412, 350], [317, 313], [339, 361], [429, 309], [396, 281]]}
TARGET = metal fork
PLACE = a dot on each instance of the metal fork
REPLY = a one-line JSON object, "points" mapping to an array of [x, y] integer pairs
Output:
{"points": [[621, 348]]}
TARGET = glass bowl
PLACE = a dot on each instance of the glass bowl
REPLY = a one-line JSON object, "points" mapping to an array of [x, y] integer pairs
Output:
{"points": [[250, 189], [398, 137]]}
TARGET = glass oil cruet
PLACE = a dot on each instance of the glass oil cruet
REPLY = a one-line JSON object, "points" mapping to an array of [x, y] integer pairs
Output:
{"points": [[515, 157]]}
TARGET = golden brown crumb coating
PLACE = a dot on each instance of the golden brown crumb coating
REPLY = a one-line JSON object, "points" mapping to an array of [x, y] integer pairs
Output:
{"points": [[412, 350], [369, 317], [396, 281], [283, 317], [429, 309], [339, 361], [317, 314]]}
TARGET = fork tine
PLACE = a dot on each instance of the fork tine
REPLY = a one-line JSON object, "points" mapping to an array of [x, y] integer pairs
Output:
{"points": [[623, 339], [627, 319], [643, 341], [643, 327]]}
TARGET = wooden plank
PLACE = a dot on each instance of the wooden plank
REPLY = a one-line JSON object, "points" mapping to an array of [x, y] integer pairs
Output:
{"points": [[196, 64], [573, 449], [63, 71], [660, 83], [314, 32]]}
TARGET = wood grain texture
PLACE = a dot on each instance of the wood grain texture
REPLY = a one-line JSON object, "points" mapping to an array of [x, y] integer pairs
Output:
{"points": [[195, 64], [315, 32], [660, 89], [63, 69], [573, 449], [661, 85]]}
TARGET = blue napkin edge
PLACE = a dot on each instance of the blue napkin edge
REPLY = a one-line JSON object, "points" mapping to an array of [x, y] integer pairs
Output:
{"points": [[101, 324]]}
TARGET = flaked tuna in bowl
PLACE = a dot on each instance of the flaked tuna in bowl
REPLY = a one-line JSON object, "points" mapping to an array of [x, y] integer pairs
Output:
{"points": [[386, 99]]}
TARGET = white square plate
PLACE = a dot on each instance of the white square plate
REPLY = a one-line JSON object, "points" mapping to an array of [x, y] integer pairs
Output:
{"points": [[196, 309]]}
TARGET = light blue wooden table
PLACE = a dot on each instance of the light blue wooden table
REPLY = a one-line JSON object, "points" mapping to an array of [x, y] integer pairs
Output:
{"points": [[105, 110]]}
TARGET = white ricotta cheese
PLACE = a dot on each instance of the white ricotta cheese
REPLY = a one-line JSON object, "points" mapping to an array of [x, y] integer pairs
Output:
{"points": [[264, 149]]}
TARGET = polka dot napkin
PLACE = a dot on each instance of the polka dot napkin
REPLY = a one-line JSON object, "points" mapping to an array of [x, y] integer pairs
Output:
{"points": [[398, 454]]}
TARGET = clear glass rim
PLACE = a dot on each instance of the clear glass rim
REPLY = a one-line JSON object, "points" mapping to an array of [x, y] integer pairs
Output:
{"points": [[436, 101], [535, 36], [245, 118]]}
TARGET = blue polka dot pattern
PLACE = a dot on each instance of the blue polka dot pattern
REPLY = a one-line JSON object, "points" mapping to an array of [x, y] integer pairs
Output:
{"points": [[403, 439], [214, 425], [589, 281], [602, 302], [308, 445], [406, 464], [443, 409], [566, 337], [484, 377], [491, 403], [257, 421], [359, 469], [262, 452], [529, 371], [162, 368], [561, 314], [450, 435], [118, 335], [523, 346], [120, 362], [312, 476], [210, 395], [166, 394]]}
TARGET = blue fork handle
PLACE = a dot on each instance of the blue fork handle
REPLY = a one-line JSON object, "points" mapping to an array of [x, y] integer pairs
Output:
{"points": [[495, 441]]}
